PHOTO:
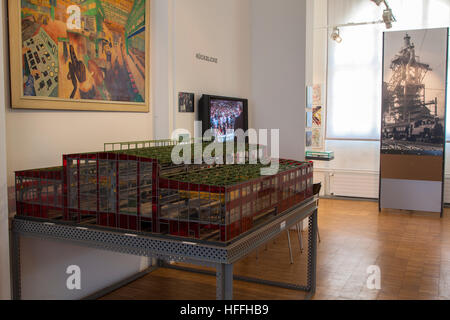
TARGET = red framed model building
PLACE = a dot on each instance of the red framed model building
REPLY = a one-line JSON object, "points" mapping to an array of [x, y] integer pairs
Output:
{"points": [[141, 190]]}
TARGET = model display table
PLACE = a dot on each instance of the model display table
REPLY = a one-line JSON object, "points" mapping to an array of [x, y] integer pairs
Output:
{"points": [[166, 248]]}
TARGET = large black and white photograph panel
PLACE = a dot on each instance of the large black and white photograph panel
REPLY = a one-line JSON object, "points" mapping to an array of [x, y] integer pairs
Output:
{"points": [[414, 92]]}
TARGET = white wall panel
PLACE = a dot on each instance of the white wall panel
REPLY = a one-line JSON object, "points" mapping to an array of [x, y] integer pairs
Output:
{"points": [[278, 71], [214, 28]]}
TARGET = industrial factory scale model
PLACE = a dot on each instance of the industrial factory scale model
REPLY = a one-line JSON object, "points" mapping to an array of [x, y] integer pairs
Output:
{"points": [[133, 199]]}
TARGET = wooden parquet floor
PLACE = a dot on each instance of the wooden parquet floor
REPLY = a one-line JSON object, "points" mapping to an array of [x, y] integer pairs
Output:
{"points": [[412, 251]]}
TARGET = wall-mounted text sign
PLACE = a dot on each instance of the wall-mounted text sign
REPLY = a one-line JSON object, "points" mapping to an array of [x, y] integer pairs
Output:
{"points": [[200, 56]]}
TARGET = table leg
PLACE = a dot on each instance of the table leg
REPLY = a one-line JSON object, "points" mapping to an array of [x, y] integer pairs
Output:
{"points": [[312, 253], [15, 265], [224, 276], [300, 235]]}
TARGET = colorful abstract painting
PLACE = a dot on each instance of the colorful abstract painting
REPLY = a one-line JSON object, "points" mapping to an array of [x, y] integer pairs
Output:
{"points": [[317, 95], [317, 116], [85, 50], [316, 138]]}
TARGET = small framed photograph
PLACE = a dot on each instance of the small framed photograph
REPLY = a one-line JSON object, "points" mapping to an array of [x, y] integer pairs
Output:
{"points": [[309, 141], [309, 119], [309, 97], [186, 102], [317, 95], [316, 138], [317, 116]]}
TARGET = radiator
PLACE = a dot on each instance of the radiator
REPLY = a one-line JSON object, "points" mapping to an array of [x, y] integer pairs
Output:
{"points": [[356, 184]]}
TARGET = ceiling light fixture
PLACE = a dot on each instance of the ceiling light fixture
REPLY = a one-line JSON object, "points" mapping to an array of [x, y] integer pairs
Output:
{"points": [[388, 18]]}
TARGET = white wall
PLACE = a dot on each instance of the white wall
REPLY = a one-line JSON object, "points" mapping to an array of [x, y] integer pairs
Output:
{"points": [[354, 172], [278, 71], [4, 240], [162, 68], [99, 269], [215, 28], [320, 39]]}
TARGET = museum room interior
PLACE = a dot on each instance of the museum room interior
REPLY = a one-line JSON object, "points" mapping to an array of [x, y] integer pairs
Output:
{"points": [[125, 172]]}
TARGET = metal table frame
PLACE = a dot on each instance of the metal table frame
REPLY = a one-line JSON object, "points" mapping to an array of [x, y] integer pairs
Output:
{"points": [[167, 249]]}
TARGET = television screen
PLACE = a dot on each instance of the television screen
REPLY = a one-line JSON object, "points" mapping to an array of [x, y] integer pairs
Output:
{"points": [[221, 114], [226, 115]]}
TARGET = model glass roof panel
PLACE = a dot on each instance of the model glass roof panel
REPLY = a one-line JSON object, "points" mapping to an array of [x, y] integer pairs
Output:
{"points": [[229, 175]]}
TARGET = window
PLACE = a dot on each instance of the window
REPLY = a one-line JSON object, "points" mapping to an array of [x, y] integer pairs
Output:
{"points": [[355, 65]]}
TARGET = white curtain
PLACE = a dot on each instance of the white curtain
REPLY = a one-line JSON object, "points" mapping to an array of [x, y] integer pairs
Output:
{"points": [[355, 65]]}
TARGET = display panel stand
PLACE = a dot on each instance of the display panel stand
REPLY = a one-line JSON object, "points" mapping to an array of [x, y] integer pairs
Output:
{"points": [[169, 249], [413, 128]]}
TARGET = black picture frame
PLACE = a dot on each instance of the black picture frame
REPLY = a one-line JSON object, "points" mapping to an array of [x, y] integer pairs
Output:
{"points": [[186, 102]]}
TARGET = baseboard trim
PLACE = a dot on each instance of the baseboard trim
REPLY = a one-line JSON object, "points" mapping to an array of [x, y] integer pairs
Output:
{"points": [[349, 198], [446, 205]]}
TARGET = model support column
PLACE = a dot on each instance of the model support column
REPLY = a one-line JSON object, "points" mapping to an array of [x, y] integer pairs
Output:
{"points": [[224, 277]]}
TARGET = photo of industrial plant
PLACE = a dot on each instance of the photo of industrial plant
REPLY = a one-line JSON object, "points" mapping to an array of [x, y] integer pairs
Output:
{"points": [[414, 92]]}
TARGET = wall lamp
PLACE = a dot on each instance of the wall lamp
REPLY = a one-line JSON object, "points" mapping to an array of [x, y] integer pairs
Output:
{"points": [[388, 16], [335, 35], [388, 19]]}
